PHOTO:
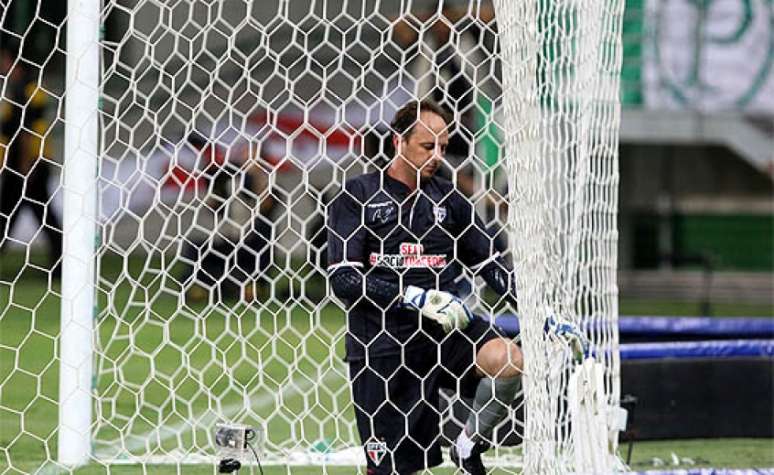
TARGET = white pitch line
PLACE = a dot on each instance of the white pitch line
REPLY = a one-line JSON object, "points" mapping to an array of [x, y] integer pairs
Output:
{"points": [[257, 403]]}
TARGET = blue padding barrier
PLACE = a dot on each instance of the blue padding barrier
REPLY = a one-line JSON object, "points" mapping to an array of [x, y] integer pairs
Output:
{"points": [[697, 349], [707, 326], [715, 326], [751, 327]]}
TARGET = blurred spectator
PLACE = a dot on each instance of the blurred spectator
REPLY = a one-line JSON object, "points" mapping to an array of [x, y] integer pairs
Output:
{"points": [[232, 258], [455, 92], [25, 155]]}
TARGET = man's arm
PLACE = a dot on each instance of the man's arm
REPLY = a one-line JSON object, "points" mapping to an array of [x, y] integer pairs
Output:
{"points": [[346, 252], [483, 253], [349, 284]]}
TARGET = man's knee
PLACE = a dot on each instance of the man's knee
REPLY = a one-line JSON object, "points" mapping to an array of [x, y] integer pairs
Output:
{"points": [[499, 358]]}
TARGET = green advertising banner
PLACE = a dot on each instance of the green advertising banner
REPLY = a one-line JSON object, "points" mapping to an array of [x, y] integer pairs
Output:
{"points": [[707, 55]]}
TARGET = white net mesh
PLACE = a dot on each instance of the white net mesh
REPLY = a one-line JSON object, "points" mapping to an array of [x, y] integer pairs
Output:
{"points": [[225, 129], [562, 118]]}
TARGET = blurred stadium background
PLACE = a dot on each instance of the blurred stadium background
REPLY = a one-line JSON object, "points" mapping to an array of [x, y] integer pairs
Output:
{"points": [[696, 214]]}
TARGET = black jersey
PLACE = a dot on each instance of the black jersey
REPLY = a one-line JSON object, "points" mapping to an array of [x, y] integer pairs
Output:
{"points": [[383, 237]]}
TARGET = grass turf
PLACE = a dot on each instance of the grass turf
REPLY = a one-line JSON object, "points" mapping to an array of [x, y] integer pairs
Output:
{"points": [[725, 453], [164, 363]]}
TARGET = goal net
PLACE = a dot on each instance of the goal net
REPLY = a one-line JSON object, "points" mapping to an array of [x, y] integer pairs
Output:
{"points": [[167, 167]]}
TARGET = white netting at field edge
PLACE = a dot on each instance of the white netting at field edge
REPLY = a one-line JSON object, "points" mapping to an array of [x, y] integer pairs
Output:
{"points": [[225, 128], [562, 117]]}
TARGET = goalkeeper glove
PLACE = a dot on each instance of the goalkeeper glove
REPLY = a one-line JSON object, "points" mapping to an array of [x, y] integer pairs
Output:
{"points": [[569, 333], [441, 307]]}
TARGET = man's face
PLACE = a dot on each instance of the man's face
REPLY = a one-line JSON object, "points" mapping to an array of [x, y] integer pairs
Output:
{"points": [[425, 148]]}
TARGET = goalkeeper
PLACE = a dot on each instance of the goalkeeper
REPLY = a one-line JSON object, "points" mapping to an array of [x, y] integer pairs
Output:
{"points": [[398, 240]]}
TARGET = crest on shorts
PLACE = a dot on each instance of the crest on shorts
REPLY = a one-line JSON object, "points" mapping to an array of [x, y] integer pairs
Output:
{"points": [[376, 450], [440, 213]]}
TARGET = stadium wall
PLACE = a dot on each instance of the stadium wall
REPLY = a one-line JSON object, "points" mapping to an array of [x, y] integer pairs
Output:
{"points": [[700, 398]]}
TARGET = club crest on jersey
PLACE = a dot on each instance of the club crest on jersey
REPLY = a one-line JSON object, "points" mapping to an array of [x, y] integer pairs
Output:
{"points": [[440, 213], [376, 450]]}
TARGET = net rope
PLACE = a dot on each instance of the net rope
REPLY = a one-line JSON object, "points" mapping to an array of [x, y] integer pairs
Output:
{"points": [[562, 116], [225, 131]]}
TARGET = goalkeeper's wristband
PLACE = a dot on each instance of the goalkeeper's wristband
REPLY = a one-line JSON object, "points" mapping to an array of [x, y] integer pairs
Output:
{"points": [[414, 296]]}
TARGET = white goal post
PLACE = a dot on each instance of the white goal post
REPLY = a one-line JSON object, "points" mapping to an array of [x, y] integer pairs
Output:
{"points": [[79, 231], [203, 141]]}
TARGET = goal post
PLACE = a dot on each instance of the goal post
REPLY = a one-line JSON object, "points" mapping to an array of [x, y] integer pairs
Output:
{"points": [[79, 230], [201, 144], [561, 68]]}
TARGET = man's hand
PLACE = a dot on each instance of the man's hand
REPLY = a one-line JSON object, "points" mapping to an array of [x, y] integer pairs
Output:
{"points": [[441, 307], [569, 333]]}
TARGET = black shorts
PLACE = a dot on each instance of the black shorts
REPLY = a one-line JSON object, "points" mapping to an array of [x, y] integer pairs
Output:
{"points": [[397, 404]]}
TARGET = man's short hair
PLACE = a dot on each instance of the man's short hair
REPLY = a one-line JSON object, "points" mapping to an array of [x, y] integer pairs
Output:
{"points": [[407, 116]]}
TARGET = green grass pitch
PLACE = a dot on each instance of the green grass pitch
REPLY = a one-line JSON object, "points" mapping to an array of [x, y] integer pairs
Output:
{"points": [[157, 353], [279, 365]]}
